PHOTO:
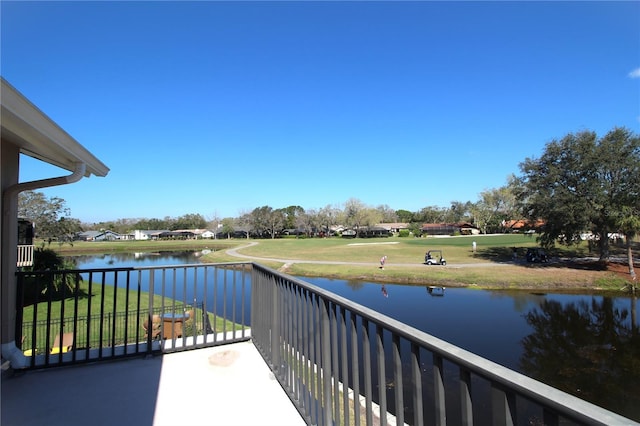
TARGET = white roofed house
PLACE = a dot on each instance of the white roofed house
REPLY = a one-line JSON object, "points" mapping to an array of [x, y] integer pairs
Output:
{"points": [[28, 131], [208, 234], [148, 234], [104, 235]]}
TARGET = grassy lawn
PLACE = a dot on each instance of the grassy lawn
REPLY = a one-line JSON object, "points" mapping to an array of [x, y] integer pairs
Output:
{"points": [[490, 267], [398, 250]]}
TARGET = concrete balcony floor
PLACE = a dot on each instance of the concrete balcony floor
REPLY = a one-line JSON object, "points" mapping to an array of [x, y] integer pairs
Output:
{"points": [[223, 385]]}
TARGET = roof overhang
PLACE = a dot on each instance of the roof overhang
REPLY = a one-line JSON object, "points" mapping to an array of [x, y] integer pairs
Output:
{"points": [[37, 136]]}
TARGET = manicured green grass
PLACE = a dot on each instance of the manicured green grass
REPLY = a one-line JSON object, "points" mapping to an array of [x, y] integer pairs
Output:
{"points": [[398, 250], [490, 266]]}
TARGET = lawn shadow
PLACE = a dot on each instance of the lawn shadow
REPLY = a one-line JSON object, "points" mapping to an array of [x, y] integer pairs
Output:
{"points": [[578, 258]]}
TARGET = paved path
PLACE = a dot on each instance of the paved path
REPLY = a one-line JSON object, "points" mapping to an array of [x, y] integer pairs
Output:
{"points": [[234, 252]]}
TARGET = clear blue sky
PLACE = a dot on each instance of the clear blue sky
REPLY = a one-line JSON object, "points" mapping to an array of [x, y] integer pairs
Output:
{"points": [[217, 108]]}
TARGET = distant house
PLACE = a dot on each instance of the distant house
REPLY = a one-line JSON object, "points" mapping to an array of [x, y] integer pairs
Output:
{"points": [[147, 234], [394, 227], [373, 231], [348, 233], [179, 234], [293, 231], [336, 229], [366, 232], [461, 228], [98, 236], [468, 229], [207, 234], [522, 225]]}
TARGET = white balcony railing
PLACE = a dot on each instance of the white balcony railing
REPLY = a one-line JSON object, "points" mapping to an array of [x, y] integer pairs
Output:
{"points": [[25, 255]]}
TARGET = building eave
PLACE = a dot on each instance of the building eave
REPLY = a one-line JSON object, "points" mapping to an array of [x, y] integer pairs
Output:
{"points": [[36, 135]]}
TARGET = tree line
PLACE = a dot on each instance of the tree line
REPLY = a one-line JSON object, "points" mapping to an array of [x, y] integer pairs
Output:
{"points": [[580, 184]]}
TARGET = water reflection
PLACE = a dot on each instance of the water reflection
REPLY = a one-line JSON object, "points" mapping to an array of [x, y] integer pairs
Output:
{"points": [[435, 291], [587, 348], [124, 260]]}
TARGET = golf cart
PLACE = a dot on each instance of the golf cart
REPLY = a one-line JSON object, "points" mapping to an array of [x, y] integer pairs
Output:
{"points": [[536, 255], [434, 257]]}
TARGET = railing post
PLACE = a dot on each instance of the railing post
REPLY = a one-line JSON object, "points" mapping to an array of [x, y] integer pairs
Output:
{"points": [[335, 364], [503, 406], [550, 418], [397, 377], [438, 391], [366, 353], [345, 367], [325, 372], [275, 327], [382, 376], [466, 404], [416, 378], [355, 369], [150, 312]]}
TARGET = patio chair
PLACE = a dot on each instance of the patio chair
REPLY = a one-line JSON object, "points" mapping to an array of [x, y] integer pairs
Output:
{"points": [[156, 327], [67, 343]]}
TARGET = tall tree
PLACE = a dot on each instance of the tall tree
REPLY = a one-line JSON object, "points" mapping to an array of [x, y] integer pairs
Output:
{"points": [[267, 221], [354, 213], [154, 224], [244, 223], [493, 207], [228, 226], [308, 221], [328, 216], [387, 214], [291, 216], [581, 183], [404, 216], [629, 225], [458, 212], [430, 214], [50, 216], [214, 224], [189, 221]]}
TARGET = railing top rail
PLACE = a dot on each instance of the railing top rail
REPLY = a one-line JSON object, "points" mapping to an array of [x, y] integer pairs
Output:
{"points": [[559, 400], [133, 268]]}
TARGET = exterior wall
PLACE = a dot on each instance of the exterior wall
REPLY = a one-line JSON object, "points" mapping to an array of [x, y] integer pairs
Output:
{"points": [[10, 162], [139, 235]]}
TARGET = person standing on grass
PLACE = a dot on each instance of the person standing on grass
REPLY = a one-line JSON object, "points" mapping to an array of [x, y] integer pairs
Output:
{"points": [[383, 259]]}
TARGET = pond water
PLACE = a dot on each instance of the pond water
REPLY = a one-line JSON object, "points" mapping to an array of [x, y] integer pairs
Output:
{"points": [[587, 345]]}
